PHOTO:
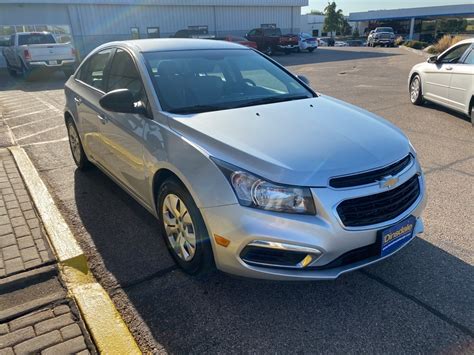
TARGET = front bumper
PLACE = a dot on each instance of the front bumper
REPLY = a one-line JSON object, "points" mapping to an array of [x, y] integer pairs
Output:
{"points": [[287, 47], [324, 232], [384, 41]]}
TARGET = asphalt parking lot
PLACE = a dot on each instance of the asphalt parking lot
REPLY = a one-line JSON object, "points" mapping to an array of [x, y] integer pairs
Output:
{"points": [[420, 300]]}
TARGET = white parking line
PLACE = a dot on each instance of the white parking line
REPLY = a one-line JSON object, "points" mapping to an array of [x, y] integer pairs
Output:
{"points": [[27, 114], [47, 104], [36, 106], [65, 139], [40, 132], [28, 123]]}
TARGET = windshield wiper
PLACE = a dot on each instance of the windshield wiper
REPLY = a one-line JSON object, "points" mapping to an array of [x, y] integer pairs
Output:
{"points": [[196, 109], [273, 99]]}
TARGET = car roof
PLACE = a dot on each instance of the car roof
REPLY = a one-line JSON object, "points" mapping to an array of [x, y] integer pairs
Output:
{"points": [[468, 40], [174, 44]]}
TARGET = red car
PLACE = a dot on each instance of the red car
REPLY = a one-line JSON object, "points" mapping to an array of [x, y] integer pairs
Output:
{"points": [[241, 40]]}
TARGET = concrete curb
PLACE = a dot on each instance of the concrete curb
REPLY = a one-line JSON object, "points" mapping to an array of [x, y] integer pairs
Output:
{"points": [[416, 51], [105, 324]]}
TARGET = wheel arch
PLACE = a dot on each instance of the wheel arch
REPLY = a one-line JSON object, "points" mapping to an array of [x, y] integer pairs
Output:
{"points": [[421, 80]]}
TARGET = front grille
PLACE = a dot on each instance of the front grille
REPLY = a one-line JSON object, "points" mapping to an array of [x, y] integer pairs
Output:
{"points": [[370, 176], [378, 208]]}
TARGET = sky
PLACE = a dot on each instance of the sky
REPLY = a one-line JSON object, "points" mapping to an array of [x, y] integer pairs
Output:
{"points": [[348, 6]]}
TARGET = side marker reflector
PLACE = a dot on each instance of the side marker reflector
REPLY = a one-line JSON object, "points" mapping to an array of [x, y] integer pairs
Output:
{"points": [[221, 240]]}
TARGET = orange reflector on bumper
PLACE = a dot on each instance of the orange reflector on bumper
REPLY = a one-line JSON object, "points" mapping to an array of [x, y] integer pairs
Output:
{"points": [[221, 240]]}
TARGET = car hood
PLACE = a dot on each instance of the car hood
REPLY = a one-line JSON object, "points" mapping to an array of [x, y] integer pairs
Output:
{"points": [[303, 142]]}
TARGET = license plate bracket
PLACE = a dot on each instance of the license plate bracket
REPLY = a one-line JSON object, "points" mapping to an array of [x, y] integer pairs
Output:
{"points": [[395, 236]]}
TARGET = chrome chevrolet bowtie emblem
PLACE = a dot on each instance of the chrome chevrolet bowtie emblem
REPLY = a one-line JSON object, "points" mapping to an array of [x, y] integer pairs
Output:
{"points": [[388, 181]]}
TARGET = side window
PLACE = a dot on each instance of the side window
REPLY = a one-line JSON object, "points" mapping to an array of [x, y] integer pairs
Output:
{"points": [[252, 33], [123, 74], [259, 32], [92, 72], [470, 57], [454, 54]]}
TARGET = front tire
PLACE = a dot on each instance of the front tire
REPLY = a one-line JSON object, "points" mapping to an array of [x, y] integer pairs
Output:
{"points": [[416, 96], [75, 144], [269, 51], [183, 228], [311, 50]]}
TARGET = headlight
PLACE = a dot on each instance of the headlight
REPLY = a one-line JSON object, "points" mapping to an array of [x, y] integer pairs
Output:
{"points": [[253, 191]]}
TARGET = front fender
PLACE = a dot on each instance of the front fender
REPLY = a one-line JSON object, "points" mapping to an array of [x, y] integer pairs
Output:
{"points": [[165, 149]]}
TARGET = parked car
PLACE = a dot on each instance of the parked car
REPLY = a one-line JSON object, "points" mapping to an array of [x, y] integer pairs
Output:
{"points": [[341, 44], [307, 42], [244, 165], [28, 51], [330, 41], [381, 36], [240, 40], [193, 33], [446, 79], [271, 40], [322, 43]]}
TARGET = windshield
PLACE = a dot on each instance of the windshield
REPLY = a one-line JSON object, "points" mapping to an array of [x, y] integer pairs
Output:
{"points": [[272, 32], [208, 80], [36, 38], [384, 29]]}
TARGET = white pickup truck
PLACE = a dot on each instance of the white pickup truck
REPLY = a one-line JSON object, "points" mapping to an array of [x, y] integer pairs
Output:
{"points": [[29, 51]]}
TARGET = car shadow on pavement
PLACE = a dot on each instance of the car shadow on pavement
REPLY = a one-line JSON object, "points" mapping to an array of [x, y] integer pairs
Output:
{"points": [[326, 55], [418, 300], [435, 107]]}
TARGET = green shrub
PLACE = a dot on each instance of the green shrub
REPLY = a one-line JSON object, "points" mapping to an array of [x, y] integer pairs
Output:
{"points": [[416, 44]]}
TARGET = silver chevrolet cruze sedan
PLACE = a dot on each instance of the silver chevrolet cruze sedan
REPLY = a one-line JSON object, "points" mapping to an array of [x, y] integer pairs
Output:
{"points": [[245, 166]]}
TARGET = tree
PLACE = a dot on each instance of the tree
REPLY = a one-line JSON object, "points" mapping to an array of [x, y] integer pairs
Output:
{"points": [[334, 18], [316, 12], [345, 29], [356, 33]]}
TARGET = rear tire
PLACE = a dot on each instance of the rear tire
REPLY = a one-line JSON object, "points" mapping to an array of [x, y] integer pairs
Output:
{"points": [[416, 96], [268, 51], [182, 225], [24, 72], [311, 50], [75, 144]]}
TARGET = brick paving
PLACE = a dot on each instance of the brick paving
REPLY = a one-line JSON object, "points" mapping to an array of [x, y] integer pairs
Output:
{"points": [[23, 244], [50, 330]]}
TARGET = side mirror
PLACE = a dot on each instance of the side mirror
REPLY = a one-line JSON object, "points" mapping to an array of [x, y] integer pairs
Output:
{"points": [[433, 59], [304, 79], [121, 100]]}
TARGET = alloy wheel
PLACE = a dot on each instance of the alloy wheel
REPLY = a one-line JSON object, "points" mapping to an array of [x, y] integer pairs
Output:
{"points": [[179, 227], [415, 89]]}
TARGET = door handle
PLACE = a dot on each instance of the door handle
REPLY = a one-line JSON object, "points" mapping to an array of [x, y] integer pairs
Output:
{"points": [[78, 100], [103, 119], [449, 68]]}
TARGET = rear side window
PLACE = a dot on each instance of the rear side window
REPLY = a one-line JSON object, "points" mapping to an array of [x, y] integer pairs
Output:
{"points": [[92, 71], [35, 38], [123, 74]]}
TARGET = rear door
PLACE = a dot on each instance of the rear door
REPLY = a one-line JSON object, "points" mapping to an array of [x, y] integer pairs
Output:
{"points": [[256, 36], [438, 75], [91, 87], [123, 132], [462, 78]]}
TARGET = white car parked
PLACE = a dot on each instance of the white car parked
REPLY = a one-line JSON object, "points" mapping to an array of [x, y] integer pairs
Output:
{"points": [[446, 79], [307, 42]]}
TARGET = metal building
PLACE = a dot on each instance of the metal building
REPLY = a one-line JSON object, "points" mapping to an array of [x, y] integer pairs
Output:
{"points": [[89, 23]]}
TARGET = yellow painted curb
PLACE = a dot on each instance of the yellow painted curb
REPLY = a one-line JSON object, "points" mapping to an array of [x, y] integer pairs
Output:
{"points": [[107, 328]]}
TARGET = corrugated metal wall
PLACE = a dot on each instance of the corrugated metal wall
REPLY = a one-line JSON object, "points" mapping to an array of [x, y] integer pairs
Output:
{"points": [[94, 24]]}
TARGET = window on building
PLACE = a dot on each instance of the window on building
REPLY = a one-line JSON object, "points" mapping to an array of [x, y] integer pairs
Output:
{"points": [[153, 32], [315, 33], [135, 32], [92, 71]]}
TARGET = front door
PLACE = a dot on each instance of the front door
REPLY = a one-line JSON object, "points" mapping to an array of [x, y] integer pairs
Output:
{"points": [[462, 80], [438, 76], [122, 133]]}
